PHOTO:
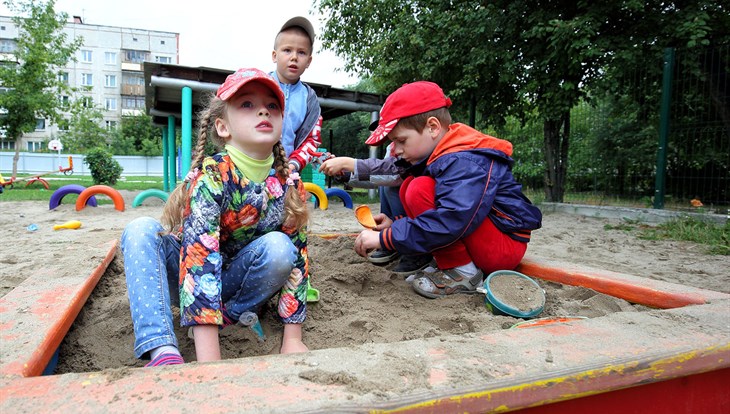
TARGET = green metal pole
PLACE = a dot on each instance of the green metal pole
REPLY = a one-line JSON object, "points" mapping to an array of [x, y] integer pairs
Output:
{"points": [[187, 128], [661, 159], [172, 152], [165, 156]]}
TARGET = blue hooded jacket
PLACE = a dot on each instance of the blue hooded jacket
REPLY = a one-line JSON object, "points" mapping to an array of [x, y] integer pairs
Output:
{"points": [[474, 182]]}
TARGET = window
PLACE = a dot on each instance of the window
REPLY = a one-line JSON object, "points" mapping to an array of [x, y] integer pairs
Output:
{"points": [[87, 79], [163, 59], [110, 58], [87, 102], [7, 145], [131, 79], [162, 42], [133, 102], [111, 125], [110, 81], [8, 45], [110, 104], [63, 77], [40, 124], [136, 56], [64, 100], [34, 146], [86, 55]]}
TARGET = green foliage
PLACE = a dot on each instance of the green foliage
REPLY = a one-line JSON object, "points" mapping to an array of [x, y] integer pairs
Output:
{"points": [[104, 169], [84, 128], [136, 136], [523, 59], [33, 82]]}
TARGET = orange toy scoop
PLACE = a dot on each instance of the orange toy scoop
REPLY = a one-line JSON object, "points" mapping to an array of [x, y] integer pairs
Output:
{"points": [[365, 217]]}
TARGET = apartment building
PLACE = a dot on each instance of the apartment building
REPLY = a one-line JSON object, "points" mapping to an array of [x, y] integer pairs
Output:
{"points": [[108, 71]]}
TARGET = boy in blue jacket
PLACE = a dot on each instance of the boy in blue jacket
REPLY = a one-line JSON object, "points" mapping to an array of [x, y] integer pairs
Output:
{"points": [[462, 202], [292, 54]]}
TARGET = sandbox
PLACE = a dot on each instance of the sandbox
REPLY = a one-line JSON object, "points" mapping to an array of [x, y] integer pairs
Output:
{"points": [[673, 357]]}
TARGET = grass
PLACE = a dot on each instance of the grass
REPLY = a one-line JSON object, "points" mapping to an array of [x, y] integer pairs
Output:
{"points": [[36, 191], [716, 238]]}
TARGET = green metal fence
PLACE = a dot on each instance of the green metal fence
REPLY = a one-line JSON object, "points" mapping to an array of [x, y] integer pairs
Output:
{"points": [[616, 156]]}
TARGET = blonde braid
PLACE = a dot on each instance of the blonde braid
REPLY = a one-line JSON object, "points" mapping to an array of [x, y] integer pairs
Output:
{"points": [[296, 213], [172, 214]]}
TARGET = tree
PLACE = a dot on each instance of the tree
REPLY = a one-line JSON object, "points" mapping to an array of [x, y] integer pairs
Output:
{"points": [[136, 135], [84, 128], [33, 82], [513, 57]]}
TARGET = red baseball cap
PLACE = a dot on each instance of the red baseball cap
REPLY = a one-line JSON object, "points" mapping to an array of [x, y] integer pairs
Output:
{"points": [[408, 100], [242, 76]]}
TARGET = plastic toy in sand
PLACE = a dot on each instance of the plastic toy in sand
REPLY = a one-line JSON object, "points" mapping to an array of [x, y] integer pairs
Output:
{"points": [[365, 216], [69, 225], [513, 294]]}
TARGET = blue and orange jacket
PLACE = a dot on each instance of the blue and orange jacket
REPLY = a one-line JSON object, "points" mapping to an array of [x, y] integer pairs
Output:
{"points": [[474, 182]]}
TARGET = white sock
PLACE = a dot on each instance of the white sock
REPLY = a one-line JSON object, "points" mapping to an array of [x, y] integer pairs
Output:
{"points": [[164, 349], [468, 270]]}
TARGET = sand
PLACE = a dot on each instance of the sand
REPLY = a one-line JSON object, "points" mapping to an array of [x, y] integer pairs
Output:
{"points": [[359, 302]]}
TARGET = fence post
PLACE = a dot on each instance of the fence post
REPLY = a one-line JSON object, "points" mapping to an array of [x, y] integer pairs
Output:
{"points": [[661, 159]]}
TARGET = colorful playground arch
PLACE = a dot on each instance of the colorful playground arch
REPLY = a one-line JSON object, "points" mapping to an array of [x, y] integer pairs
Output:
{"points": [[319, 194], [100, 189], [65, 190], [152, 192]]}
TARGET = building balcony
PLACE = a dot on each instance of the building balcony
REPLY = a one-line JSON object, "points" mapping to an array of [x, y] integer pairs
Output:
{"points": [[134, 90]]}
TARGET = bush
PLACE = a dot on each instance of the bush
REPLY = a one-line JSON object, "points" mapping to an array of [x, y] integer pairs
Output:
{"points": [[104, 169]]}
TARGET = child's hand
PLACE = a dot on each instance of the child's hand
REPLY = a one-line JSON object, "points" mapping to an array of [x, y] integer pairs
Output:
{"points": [[382, 221], [336, 165], [367, 240]]}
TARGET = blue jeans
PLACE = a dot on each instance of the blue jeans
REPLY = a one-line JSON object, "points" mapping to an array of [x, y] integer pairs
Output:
{"points": [[390, 203], [152, 268]]}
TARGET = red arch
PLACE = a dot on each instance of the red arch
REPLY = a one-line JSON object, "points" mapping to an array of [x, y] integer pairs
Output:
{"points": [[100, 189]]}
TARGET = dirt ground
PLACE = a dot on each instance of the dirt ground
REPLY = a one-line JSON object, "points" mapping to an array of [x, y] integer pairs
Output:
{"points": [[359, 302]]}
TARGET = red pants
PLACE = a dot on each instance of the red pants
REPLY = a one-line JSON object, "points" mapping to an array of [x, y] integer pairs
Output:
{"points": [[487, 246]]}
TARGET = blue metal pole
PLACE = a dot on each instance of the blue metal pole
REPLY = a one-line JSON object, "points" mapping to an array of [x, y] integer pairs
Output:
{"points": [[171, 151], [187, 128], [165, 156]]}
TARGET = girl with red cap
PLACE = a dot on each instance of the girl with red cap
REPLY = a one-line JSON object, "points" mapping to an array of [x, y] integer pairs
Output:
{"points": [[235, 234]]}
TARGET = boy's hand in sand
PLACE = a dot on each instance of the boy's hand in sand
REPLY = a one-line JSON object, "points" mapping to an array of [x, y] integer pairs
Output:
{"points": [[367, 240], [335, 166]]}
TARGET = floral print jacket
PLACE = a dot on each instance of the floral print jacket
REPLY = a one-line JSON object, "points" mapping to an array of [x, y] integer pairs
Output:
{"points": [[225, 213]]}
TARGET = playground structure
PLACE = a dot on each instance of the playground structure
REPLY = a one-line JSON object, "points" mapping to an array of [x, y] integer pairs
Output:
{"points": [[673, 359], [37, 178]]}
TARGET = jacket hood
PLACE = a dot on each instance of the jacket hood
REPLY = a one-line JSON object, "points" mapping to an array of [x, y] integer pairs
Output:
{"points": [[462, 137]]}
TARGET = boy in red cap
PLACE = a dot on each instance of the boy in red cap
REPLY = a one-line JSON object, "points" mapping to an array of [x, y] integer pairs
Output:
{"points": [[462, 201]]}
